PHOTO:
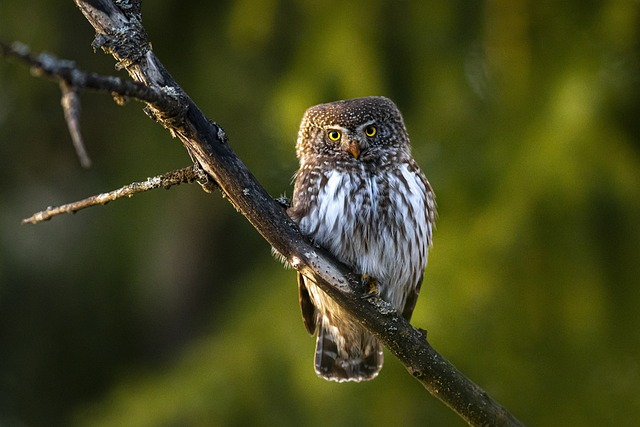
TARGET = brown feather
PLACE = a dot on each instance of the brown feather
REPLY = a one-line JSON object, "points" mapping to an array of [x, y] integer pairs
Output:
{"points": [[309, 314], [412, 299]]}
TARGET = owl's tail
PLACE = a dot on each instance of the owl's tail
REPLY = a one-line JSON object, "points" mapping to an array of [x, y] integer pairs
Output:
{"points": [[356, 357]]}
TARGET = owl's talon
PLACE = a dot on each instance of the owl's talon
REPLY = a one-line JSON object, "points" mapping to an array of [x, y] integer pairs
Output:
{"points": [[370, 285]]}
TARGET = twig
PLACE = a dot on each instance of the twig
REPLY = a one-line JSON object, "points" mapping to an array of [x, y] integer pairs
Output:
{"points": [[165, 99], [71, 107], [70, 78], [166, 180]]}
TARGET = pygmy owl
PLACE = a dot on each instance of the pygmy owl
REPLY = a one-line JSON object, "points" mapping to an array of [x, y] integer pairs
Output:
{"points": [[360, 195]]}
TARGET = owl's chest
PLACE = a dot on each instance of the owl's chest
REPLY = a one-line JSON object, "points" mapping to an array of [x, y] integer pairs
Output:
{"points": [[343, 204], [377, 223], [360, 214]]}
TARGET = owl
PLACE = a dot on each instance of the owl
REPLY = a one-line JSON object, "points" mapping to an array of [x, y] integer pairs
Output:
{"points": [[360, 195]]}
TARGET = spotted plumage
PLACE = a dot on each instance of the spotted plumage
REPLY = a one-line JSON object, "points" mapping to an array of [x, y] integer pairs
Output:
{"points": [[359, 194]]}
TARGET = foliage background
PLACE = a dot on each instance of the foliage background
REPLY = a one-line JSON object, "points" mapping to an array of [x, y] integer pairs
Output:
{"points": [[167, 309]]}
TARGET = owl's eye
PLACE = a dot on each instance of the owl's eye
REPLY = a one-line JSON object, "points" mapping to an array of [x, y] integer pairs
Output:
{"points": [[370, 131], [334, 135]]}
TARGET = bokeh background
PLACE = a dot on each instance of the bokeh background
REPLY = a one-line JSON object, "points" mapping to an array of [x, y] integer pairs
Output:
{"points": [[167, 309]]}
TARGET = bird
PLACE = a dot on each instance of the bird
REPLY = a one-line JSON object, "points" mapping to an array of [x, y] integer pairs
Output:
{"points": [[360, 195]]}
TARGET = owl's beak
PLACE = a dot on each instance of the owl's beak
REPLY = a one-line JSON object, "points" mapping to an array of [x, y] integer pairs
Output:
{"points": [[354, 149]]}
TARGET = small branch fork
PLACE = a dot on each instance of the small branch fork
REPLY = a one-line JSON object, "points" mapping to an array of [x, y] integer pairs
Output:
{"points": [[70, 78], [63, 70], [119, 32]]}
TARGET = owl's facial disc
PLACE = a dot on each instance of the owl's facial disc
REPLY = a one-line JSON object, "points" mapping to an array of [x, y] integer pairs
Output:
{"points": [[345, 141]]}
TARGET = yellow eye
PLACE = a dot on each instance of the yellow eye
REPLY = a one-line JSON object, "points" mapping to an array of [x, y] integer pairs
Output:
{"points": [[370, 130], [334, 135]]}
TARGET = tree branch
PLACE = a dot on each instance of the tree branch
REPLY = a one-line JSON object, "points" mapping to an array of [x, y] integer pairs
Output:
{"points": [[120, 33], [47, 65], [71, 107], [70, 79], [166, 180]]}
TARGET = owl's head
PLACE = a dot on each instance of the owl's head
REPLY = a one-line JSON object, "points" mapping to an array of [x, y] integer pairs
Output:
{"points": [[359, 129]]}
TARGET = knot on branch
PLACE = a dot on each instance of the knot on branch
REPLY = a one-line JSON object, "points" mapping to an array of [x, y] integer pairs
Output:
{"points": [[205, 180], [130, 8], [174, 116], [128, 44]]}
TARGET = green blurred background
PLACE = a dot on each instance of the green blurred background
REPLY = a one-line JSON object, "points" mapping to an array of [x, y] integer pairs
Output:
{"points": [[168, 310]]}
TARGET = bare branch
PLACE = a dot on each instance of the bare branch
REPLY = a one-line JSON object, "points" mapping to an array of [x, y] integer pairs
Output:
{"points": [[71, 107], [47, 65], [166, 180], [70, 79], [120, 33]]}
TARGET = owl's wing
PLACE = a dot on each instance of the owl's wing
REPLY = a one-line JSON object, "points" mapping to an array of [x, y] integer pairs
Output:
{"points": [[306, 305], [412, 298]]}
